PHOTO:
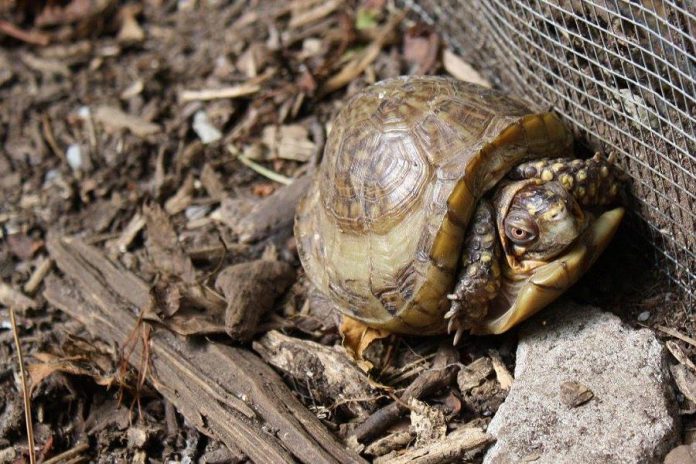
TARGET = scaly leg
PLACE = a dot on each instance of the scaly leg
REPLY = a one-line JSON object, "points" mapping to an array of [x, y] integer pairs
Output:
{"points": [[593, 182], [479, 279]]}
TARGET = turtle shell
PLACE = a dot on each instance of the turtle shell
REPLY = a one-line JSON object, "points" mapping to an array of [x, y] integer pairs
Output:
{"points": [[381, 229]]}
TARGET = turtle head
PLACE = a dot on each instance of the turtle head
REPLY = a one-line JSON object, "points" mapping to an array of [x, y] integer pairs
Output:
{"points": [[548, 242], [538, 221]]}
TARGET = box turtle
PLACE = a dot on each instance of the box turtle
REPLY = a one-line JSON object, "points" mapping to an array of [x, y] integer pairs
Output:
{"points": [[441, 205]]}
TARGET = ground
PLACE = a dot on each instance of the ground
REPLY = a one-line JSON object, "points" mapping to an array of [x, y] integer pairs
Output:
{"points": [[104, 136]]}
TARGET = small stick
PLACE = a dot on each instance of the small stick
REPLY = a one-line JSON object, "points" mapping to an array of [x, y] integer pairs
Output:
{"points": [[74, 451], [47, 129], [441, 374], [37, 276], [677, 334], [272, 175], [25, 393], [234, 91], [31, 37]]}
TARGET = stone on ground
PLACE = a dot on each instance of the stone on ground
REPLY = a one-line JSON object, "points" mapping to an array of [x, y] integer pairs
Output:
{"points": [[587, 389]]}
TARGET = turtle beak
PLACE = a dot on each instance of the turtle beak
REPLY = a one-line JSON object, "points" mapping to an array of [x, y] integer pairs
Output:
{"points": [[549, 281]]}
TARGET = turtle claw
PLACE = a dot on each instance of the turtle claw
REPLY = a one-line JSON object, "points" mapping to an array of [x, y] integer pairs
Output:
{"points": [[458, 336], [454, 323], [450, 325]]}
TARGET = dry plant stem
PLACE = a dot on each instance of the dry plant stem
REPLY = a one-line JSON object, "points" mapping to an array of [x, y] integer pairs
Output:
{"points": [[30, 37], [676, 334], [264, 171], [441, 374], [47, 129], [235, 91], [225, 392], [37, 276], [72, 452], [25, 392]]}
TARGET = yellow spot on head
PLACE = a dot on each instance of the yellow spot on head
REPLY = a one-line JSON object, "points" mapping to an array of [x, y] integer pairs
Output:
{"points": [[604, 171], [472, 270], [580, 192], [557, 167], [546, 175], [486, 257], [581, 175]]}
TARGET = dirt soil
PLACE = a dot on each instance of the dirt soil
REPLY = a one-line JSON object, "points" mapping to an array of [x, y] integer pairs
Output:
{"points": [[153, 130]]}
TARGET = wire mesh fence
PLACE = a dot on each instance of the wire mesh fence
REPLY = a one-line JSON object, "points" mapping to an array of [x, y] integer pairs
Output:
{"points": [[622, 74]]}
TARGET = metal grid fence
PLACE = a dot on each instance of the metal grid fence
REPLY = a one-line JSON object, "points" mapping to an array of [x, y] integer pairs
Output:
{"points": [[622, 74]]}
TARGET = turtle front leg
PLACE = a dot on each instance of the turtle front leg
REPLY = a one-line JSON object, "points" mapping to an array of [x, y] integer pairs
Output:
{"points": [[593, 182], [479, 278]]}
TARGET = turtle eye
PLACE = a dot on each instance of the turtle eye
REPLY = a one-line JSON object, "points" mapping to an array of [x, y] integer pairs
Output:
{"points": [[521, 231]]}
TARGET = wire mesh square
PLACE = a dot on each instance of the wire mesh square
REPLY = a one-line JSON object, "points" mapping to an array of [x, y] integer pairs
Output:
{"points": [[622, 74]]}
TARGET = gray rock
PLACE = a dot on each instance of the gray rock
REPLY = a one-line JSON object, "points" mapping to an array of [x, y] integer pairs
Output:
{"points": [[631, 416]]}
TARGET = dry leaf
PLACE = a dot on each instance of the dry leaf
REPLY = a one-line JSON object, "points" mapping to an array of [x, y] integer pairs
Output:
{"points": [[421, 45], [113, 119], [357, 337], [462, 70], [78, 357]]}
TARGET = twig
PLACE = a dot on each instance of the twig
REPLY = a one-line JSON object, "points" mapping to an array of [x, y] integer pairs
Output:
{"points": [[31, 37], [272, 175], [37, 276], [47, 129], [441, 374], [677, 334], [74, 451], [315, 14], [234, 91], [25, 392]]}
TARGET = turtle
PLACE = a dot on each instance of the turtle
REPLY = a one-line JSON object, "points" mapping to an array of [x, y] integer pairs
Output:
{"points": [[445, 206]]}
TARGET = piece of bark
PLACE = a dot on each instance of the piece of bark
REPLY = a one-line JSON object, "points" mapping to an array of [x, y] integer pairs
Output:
{"points": [[14, 298], [392, 442], [442, 373], [273, 214], [212, 183], [113, 120], [227, 393], [333, 379], [250, 290], [474, 374], [455, 447], [178, 281]]}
